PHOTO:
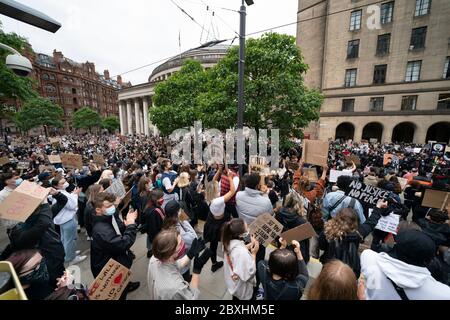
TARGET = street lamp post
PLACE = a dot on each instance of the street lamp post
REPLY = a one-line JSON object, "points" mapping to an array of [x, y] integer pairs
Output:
{"points": [[241, 102]]}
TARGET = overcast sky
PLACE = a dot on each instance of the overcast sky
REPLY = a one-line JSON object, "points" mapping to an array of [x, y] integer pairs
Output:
{"points": [[123, 35]]}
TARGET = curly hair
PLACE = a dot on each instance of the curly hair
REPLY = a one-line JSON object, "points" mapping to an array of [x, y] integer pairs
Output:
{"points": [[345, 222], [294, 204]]}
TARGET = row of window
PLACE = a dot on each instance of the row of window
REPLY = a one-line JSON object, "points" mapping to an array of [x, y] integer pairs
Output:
{"points": [[409, 103], [413, 70], [418, 37], [422, 8]]}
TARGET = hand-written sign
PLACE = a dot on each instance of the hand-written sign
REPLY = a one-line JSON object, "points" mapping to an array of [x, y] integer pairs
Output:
{"points": [[265, 229], [22, 202], [110, 283], [300, 233], [335, 174], [23, 165], [117, 188], [55, 140], [367, 195], [72, 161], [389, 223], [54, 158], [4, 160], [438, 149], [436, 199], [315, 152]]}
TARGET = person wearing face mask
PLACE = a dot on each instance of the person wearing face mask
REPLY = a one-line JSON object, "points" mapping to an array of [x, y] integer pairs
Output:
{"points": [[11, 180], [66, 220], [32, 271], [240, 250], [112, 239], [165, 281]]}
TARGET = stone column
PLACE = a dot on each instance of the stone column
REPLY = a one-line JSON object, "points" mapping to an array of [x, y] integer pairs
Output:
{"points": [[122, 123], [137, 116], [358, 132], [155, 129], [141, 119], [386, 137], [129, 118], [146, 124]]}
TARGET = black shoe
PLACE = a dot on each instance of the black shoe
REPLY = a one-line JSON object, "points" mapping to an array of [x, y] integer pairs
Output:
{"points": [[149, 254], [133, 286], [216, 266]]}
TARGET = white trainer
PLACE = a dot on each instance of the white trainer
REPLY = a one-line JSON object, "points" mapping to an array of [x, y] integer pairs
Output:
{"points": [[77, 259]]}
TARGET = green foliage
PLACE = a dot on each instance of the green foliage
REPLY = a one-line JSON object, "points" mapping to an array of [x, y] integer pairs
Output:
{"points": [[38, 112], [275, 94], [86, 118], [111, 123], [12, 86]]}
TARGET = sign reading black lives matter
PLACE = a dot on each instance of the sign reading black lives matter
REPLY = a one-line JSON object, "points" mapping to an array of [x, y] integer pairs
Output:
{"points": [[438, 149], [367, 195]]}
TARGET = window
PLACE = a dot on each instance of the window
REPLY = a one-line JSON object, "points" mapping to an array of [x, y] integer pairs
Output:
{"points": [[50, 88], [379, 74], [45, 76], [355, 20], [52, 77], [387, 12], [418, 37], [74, 91], [444, 102], [422, 7], [409, 103], [67, 90], [353, 49], [376, 104], [350, 77], [413, 71], [383, 44], [348, 105], [446, 74]]}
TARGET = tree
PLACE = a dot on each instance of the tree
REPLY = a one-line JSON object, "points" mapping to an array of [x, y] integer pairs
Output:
{"points": [[176, 98], [38, 112], [111, 124], [275, 94], [12, 86], [86, 118]]}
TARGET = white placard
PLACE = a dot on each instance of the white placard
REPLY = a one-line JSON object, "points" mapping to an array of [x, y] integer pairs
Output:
{"points": [[389, 223], [335, 174], [417, 150]]}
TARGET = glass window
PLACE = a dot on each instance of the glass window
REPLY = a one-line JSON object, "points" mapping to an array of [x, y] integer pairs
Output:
{"points": [[413, 71], [422, 7], [350, 77], [444, 102], [379, 74], [355, 20], [353, 49], [52, 77], [376, 104], [409, 103], [387, 12], [418, 37], [45, 76], [348, 105], [383, 44], [446, 74], [50, 88]]}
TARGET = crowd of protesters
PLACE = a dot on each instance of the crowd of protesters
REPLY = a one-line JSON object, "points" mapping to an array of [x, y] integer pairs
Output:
{"points": [[191, 213]]}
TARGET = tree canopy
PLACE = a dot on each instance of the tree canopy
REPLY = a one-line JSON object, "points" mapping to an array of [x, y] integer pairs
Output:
{"points": [[38, 112], [86, 118], [111, 123], [275, 94]]}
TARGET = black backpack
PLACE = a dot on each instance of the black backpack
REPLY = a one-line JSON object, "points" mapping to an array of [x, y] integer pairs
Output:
{"points": [[347, 252]]}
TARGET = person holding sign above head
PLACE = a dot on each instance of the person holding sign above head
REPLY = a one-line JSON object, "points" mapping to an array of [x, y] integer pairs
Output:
{"points": [[240, 249], [112, 239], [165, 281], [285, 276], [66, 219], [11, 180]]}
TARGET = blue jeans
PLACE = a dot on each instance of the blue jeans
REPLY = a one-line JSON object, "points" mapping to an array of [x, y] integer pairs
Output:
{"points": [[69, 238]]}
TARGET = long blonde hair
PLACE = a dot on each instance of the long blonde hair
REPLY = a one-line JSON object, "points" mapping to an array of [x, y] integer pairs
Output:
{"points": [[345, 222], [295, 204]]}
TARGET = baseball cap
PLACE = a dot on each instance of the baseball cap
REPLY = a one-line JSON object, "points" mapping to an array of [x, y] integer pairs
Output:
{"points": [[172, 208], [217, 207]]}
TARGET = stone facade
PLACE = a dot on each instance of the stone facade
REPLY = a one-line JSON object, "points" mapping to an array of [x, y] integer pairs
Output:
{"points": [[324, 34]]}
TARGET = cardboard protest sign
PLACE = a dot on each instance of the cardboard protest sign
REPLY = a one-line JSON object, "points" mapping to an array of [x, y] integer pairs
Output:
{"points": [[438, 149], [265, 229], [311, 174], [259, 165], [22, 202], [72, 161], [373, 140], [23, 165], [4, 160], [389, 223], [403, 182], [55, 140], [110, 283], [435, 199], [54, 159], [315, 152], [117, 188], [335, 174], [42, 168], [258, 161], [300, 233], [367, 195], [352, 158], [98, 159]]}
